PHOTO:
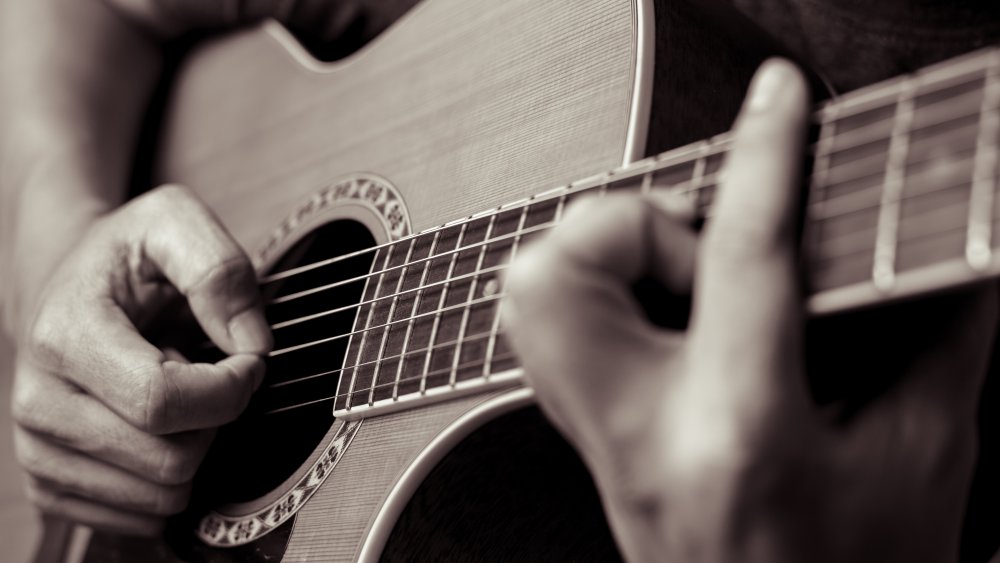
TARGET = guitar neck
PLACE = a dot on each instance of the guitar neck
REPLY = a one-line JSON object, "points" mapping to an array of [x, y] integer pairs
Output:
{"points": [[900, 203]]}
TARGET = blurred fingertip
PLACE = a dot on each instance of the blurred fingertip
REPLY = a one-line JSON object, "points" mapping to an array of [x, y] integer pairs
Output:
{"points": [[250, 333], [674, 205]]}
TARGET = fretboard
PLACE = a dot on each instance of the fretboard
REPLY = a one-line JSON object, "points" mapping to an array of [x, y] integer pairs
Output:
{"points": [[901, 202]]}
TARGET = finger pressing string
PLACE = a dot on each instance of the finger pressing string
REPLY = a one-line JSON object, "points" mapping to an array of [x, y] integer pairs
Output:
{"points": [[747, 317]]}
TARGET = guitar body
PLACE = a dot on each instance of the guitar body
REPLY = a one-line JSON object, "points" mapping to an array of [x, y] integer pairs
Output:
{"points": [[460, 107]]}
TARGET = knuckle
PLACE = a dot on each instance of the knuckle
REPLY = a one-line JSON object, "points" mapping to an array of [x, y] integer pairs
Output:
{"points": [[165, 195], [171, 500], [229, 273], [45, 341], [154, 402], [28, 457], [162, 202], [46, 500], [177, 466], [26, 402]]}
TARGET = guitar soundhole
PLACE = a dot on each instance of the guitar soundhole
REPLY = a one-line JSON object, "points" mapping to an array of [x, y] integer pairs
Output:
{"points": [[292, 410]]}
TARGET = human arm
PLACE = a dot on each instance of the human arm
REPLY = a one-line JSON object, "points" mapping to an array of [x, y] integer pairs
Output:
{"points": [[75, 77]]}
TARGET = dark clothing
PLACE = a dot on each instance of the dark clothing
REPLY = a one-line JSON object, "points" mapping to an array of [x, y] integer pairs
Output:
{"points": [[853, 43]]}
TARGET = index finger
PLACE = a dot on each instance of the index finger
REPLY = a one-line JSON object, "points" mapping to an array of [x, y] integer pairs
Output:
{"points": [[747, 304], [94, 345]]}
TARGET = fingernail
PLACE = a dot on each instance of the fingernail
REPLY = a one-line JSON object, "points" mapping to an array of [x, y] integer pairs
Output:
{"points": [[250, 332], [766, 85]]}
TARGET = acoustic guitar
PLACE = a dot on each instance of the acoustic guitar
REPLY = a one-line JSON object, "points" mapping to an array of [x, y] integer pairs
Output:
{"points": [[381, 197]]}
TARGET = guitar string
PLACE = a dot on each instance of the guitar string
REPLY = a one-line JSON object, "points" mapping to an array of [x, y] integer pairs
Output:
{"points": [[701, 184], [951, 183], [277, 276], [421, 352], [428, 350], [913, 236], [375, 300], [446, 254], [935, 113], [436, 311], [403, 380], [706, 183]]}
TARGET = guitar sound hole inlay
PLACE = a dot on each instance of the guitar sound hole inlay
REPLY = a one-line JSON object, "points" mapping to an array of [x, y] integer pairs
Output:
{"points": [[292, 411]]}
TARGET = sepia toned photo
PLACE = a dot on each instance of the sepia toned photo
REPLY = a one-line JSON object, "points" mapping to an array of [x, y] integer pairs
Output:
{"points": [[681, 281]]}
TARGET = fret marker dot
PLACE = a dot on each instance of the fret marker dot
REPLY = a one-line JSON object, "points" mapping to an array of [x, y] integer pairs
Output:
{"points": [[492, 287]]}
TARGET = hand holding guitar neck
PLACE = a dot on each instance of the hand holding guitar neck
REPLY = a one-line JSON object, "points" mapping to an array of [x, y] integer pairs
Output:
{"points": [[706, 443]]}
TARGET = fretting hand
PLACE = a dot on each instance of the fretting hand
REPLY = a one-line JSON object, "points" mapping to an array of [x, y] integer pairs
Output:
{"points": [[706, 444]]}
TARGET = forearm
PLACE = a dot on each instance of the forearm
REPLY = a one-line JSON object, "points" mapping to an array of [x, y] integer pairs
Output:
{"points": [[74, 81]]}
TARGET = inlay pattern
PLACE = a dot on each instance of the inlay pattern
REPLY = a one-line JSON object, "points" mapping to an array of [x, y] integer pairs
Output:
{"points": [[368, 190], [220, 530]]}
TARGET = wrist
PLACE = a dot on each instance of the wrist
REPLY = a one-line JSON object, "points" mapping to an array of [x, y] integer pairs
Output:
{"points": [[45, 215]]}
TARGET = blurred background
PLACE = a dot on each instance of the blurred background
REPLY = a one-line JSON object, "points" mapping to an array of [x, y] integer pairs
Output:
{"points": [[20, 527]]}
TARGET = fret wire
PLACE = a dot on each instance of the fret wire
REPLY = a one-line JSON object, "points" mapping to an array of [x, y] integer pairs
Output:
{"points": [[334, 397], [442, 371], [293, 296], [495, 328], [473, 287], [413, 316], [887, 233], [873, 157], [403, 352], [297, 320], [698, 176], [838, 203], [404, 292], [867, 234], [436, 347], [560, 208], [677, 188], [441, 301], [933, 79], [933, 114], [901, 174], [843, 104], [695, 188], [392, 311], [484, 299], [816, 203], [440, 346], [920, 229], [647, 183], [364, 333], [979, 248]]}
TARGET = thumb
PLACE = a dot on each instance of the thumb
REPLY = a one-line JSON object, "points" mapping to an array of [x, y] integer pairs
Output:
{"points": [[188, 245]]}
